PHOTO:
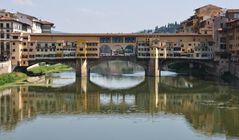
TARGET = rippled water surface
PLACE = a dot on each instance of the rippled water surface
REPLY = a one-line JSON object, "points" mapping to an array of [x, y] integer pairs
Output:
{"points": [[124, 107]]}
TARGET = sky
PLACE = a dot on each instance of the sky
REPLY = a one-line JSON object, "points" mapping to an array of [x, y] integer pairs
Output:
{"points": [[110, 16]]}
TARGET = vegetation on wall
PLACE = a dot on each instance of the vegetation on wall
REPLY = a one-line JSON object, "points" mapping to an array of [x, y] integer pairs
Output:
{"points": [[45, 69]]}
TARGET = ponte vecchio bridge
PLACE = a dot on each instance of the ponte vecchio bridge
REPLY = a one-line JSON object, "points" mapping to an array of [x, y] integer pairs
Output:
{"points": [[83, 51]]}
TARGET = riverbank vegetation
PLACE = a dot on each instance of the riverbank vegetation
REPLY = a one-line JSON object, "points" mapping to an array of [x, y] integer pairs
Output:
{"points": [[11, 78], [46, 69]]}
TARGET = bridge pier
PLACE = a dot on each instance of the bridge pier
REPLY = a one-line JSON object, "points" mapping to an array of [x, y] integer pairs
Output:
{"points": [[152, 68], [81, 67]]}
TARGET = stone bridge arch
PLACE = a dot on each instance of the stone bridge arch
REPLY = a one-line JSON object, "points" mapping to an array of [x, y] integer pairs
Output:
{"points": [[92, 63], [149, 65], [208, 64]]}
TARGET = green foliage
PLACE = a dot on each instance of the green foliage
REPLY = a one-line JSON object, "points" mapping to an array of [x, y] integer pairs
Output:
{"points": [[45, 69], [170, 28], [11, 78]]}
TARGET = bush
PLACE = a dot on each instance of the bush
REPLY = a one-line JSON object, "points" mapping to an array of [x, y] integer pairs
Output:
{"points": [[11, 78]]}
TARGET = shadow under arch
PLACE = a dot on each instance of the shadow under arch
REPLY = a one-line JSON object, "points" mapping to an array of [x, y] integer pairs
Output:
{"points": [[132, 59], [117, 67], [205, 63]]}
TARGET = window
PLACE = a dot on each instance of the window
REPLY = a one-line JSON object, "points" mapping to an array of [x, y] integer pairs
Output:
{"points": [[222, 46], [2, 35], [221, 25], [13, 50], [8, 46], [130, 39], [223, 40], [8, 25], [24, 27], [15, 37], [31, 56], [8, 36], [117, 40], [105, 40], [1, 25], [2, 46], [91, 44]]}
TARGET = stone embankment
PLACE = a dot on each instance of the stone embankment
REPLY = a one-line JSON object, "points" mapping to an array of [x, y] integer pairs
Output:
{"points": [[5, 67], [234, 69]]}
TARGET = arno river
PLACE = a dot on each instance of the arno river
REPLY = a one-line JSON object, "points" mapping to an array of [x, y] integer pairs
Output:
{"points": [[120, 107]]}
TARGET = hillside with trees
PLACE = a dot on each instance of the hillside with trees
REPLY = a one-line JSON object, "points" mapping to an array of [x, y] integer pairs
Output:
{"points": [[170, 28]]}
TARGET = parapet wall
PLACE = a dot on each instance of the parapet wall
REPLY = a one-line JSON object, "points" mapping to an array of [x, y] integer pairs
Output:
{"points": [[5, 67]]}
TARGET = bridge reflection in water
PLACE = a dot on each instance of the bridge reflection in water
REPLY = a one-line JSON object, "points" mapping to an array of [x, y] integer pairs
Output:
{"points": [[207, 107]]}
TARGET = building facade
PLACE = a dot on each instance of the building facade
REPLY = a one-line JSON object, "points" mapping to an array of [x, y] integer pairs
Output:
{"points": [[30, 47], [202, 21], [11, 23]]}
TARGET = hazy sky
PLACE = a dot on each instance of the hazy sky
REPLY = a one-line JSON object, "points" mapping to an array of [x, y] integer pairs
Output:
{"points": [[110, 15]]}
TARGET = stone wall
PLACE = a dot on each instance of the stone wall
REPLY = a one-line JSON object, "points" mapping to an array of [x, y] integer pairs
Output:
{"points": [[5, 67], [222, 67], [234, 69]]}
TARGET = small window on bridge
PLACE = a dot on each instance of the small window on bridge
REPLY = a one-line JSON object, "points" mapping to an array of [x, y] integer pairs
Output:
{"points": [[105, 40]]}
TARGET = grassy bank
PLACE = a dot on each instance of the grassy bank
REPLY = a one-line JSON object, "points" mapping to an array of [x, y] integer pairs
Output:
{"points": [[46, 69], [11, 78]]}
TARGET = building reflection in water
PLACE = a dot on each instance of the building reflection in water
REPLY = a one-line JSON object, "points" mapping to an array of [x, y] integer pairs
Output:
{"points": [[208, 108]]}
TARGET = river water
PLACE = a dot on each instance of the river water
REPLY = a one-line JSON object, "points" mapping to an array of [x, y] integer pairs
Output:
{"points": [[125, 107]]}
